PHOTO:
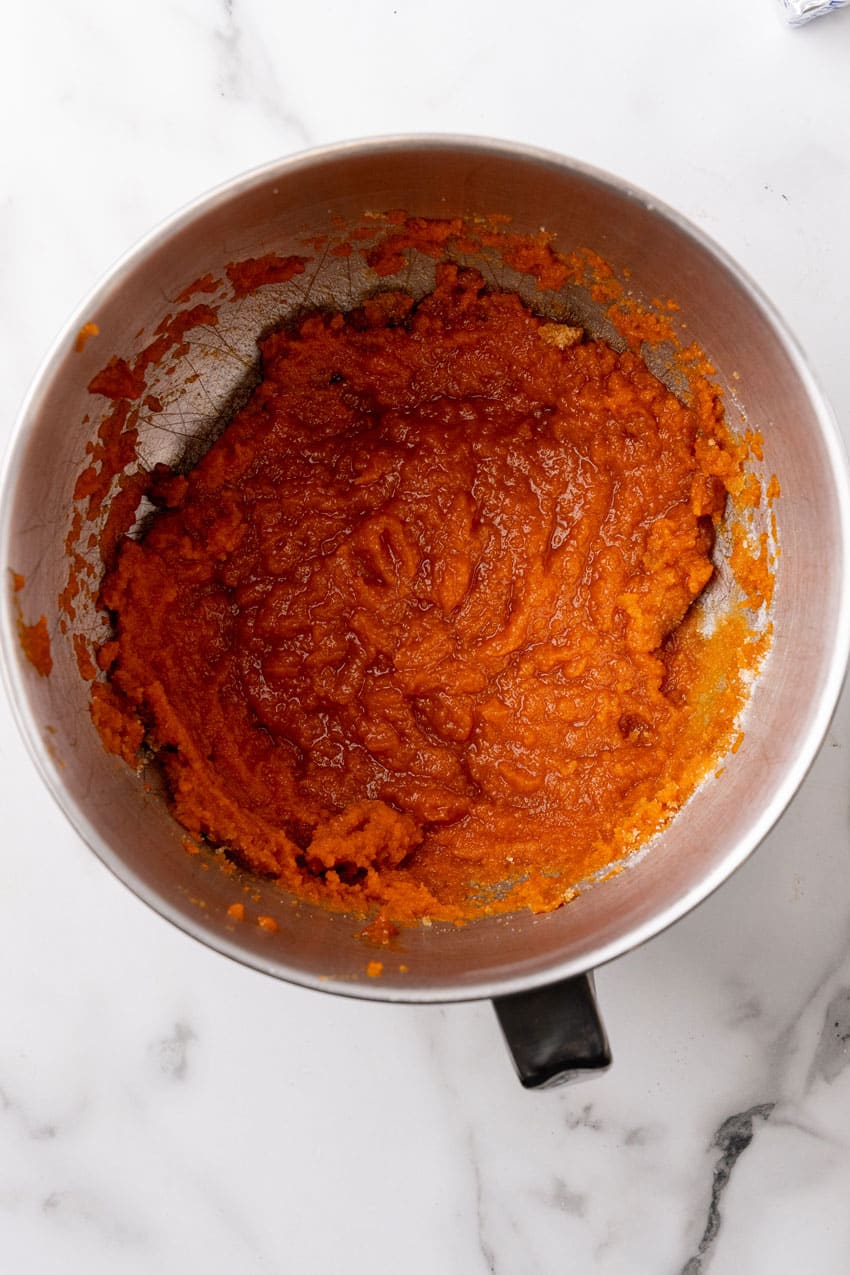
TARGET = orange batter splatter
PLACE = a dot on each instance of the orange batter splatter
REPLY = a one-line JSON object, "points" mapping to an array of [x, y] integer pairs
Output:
{"points": [[35, 643], [34, 638], [255, 272], [86, 332]]}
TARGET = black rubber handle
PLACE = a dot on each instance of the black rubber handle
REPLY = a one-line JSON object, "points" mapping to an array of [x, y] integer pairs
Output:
{"points": [[554, 1033]]}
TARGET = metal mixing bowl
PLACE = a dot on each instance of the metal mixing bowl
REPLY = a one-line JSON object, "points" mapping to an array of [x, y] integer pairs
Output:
{"points": [[765, 379]]}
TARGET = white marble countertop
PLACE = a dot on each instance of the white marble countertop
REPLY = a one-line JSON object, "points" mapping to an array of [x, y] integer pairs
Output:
{"points": [[162, 1109]]}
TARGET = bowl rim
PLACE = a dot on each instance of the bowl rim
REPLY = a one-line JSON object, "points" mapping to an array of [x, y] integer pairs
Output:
{"points": [[807, 747]]}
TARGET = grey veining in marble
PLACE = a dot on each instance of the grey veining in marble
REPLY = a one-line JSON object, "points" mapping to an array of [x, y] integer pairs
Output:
{"points": [[172, 1052], [833, 1049], [732, 1139], [247, 74]]}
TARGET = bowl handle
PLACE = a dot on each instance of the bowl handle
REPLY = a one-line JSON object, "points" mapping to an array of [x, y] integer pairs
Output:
{"points": [[554, 1033]]}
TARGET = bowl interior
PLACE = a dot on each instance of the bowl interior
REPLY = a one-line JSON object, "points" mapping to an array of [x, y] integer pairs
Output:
{"points": [[766, 385]]}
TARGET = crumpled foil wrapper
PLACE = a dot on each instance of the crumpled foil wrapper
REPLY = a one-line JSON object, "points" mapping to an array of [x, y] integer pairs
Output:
{"points": [[800, 11]]}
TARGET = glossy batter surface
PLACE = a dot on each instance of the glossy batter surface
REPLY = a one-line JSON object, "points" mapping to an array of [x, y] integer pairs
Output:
{"points": [[403, 637]]}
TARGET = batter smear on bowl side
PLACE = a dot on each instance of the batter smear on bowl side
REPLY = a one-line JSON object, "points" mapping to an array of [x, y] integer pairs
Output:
{"points": [[417, 633]]}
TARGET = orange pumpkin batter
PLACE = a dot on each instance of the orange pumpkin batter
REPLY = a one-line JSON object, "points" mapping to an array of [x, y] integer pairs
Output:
{"points": [[402, 639]]}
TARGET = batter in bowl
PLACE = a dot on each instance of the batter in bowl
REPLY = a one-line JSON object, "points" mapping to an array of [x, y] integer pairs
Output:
{"points": [[417, 633]]}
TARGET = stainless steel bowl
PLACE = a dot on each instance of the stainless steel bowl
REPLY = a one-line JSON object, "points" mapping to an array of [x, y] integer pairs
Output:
{"points": [[765, 378]]}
